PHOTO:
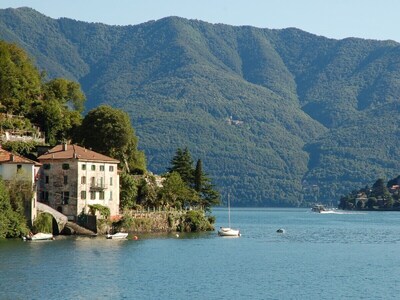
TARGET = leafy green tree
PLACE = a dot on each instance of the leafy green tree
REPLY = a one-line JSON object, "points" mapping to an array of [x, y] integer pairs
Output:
{"points": [[12, 222], [20, 81], [114, 136], [67, 93], [176, 193], [147, 192], [55, 106], [128, 191], [182, 163]]}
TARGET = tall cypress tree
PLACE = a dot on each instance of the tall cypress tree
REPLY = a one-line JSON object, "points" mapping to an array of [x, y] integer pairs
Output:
{"points": [[198, 176], [202, 184]]}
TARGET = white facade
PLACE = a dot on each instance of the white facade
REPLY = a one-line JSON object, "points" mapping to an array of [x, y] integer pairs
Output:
{"points": [[71, 184], [98, 183]]}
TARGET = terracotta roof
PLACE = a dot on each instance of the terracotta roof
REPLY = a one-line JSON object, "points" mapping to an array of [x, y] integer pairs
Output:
{"points": [[12, 158], [66, 151]]}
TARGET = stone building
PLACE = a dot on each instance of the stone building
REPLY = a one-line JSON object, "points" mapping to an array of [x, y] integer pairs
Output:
{"points": [[72, 178], [23, 172]]}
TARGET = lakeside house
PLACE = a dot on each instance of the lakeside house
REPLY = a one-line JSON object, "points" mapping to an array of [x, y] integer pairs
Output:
{"points": [[14, 167], [73, 177]]}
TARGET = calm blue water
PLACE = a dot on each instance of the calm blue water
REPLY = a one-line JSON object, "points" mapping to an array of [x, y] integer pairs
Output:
{"points": [[321, 256]]}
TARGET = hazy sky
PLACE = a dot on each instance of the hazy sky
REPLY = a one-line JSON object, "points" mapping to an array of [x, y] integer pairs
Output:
{"points": [[374, 19]]}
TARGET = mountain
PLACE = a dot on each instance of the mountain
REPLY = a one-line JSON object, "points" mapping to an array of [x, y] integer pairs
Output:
{"points": [[278, 117]]}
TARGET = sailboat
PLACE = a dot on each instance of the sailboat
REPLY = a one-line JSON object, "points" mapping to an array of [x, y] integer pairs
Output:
{"points": [[228, 231]]}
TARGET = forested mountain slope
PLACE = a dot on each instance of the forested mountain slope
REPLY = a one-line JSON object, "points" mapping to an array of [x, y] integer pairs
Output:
{"points": [[277, 116]]}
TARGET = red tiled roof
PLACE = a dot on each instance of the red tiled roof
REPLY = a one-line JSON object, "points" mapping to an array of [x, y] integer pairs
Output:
{"points": [[61, 152], [11, 158]]}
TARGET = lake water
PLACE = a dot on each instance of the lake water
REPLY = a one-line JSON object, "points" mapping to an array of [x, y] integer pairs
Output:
{"points": [[321, 256]]}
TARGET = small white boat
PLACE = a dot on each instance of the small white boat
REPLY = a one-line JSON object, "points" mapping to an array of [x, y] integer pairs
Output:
{"points": [[318, 208], [40, 236], [228, 231], [118, 235]]}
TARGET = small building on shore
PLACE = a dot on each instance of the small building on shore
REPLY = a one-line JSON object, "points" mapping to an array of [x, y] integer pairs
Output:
{"points": [[21, 173], [73, 177]]}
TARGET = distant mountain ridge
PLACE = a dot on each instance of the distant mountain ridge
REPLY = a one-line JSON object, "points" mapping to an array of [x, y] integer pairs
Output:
{"points": [[317, 117]]}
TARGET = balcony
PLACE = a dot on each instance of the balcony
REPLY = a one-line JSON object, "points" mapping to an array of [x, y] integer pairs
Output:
{"points": [[99, 186]]}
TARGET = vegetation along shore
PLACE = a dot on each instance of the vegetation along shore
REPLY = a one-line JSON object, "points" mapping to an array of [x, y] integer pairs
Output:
{"points": [[59, 168]]}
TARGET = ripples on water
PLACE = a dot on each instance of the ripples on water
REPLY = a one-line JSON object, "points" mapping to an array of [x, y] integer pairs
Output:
{"points": [[321, 256]]}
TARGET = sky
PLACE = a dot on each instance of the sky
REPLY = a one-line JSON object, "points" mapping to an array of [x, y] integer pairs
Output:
{"points": [[338, 19]]}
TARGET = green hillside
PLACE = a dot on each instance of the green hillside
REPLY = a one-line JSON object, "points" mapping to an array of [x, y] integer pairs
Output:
{"points": [[277, 116]]}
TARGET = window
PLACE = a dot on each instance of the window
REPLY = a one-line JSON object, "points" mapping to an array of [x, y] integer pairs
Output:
{"points": [[65, 166], [45, 196], [19, 168], [111, 168], [65, 197], [93, 167], [101, 168], [110, 195], [92, 195], [83, 195], [92, 181], [111, 181], [65, 179], [83, 180], [101, 195], [46, 166], [83, 167], [46, 179]]}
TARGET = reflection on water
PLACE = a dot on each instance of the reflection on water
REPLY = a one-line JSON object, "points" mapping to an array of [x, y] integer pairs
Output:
{"points": [[329, 250]]}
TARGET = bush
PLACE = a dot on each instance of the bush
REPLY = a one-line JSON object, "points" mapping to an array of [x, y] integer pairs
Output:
{"points": [[43, 223], [195, 221]]}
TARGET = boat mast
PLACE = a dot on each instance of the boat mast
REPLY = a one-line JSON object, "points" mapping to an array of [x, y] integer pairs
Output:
{"points": [[229, 211]]}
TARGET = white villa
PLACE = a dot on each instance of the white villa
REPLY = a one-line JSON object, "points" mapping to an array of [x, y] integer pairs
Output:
{"points": [[16, 167], [72, 178]]}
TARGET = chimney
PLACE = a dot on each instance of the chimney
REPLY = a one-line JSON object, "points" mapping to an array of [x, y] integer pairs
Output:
{"points": [[65, 147]]}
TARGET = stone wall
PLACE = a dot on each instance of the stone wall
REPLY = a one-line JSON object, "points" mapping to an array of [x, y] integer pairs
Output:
{"points": [[149, 222]]}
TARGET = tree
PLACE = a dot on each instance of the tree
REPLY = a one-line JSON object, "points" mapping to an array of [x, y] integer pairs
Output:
{"points": [[380, 190], [198, 176], [68, 93], [55, 106], [183, 164], [12, 223], [19, 78], [176, 193], [147, 192], [202, 184], [109, 131], [128, 191]]}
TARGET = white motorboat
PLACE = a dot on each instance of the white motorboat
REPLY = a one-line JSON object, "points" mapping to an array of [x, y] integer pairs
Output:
{"points": [[318, 208], [40, 236], [118, 235], [228, 231]]}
